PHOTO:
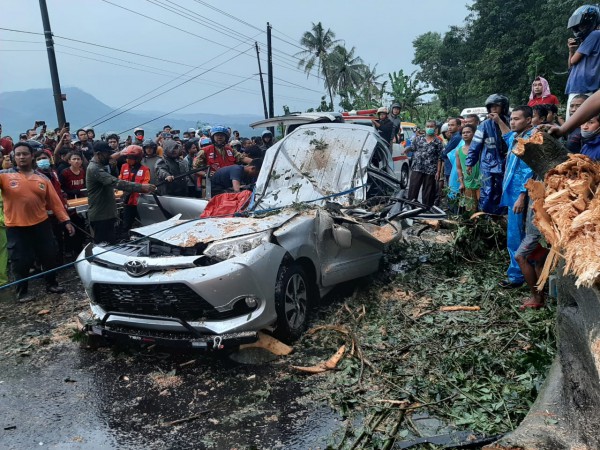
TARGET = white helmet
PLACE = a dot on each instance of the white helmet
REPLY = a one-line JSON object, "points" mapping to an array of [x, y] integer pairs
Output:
{"points": [[383, 109]]}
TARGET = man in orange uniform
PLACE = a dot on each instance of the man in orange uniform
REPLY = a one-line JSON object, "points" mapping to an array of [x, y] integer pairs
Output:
{"points": [[28, 195], [133, 171]]}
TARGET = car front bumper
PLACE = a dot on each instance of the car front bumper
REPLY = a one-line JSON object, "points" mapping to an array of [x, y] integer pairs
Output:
{"points": [[204, 297]]}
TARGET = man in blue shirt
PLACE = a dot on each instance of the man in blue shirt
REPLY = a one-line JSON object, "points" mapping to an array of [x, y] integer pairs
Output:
{"points": [[489, 149], [231, 178], [584, 52], [514, 193]]}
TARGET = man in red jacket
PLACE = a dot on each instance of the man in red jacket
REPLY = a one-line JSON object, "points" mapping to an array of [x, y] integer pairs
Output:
{"points": [[218, 154], [133, 171]]}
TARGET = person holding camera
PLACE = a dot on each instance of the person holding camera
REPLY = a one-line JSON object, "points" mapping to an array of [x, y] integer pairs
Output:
{"points": [[584, 53]]}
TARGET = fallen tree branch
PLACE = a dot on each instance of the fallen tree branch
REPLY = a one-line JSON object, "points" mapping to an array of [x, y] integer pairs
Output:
{"points": [[459, 308], [330, 364], [185, 419]]}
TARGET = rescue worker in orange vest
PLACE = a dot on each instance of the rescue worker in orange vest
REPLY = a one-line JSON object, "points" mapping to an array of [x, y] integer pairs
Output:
{"points": [[218, 154], [135, 172]]}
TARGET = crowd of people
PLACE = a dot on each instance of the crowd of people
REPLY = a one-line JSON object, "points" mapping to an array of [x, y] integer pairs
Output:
{"points": [[464, 163], [44, 170], [472, 163]]}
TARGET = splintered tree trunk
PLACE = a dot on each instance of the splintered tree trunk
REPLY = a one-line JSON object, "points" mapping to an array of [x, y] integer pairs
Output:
{"points": [[541, 152]]}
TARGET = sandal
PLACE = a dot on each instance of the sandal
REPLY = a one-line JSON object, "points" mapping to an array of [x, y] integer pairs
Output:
{"points": [[531, 304], [507, 284]]}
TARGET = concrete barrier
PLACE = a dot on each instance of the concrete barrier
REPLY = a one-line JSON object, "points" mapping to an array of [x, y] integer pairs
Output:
{"points": [[566, 414]]}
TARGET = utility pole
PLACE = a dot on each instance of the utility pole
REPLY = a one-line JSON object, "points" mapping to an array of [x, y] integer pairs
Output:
{"points": [[262, 84], [270, 70], [58, 97]]}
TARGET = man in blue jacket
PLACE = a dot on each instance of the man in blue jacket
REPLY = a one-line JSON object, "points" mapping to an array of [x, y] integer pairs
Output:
{"points": [[489, 149], [514, 193]]}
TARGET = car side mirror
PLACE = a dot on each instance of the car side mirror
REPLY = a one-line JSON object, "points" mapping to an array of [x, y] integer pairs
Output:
{"points": [[342, 236]]}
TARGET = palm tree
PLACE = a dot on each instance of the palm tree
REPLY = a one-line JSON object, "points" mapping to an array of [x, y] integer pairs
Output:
{"points": [[345, 69], [373, 89], [317, 43]]}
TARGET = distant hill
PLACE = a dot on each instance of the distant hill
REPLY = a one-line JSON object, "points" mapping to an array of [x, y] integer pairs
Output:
{"points": [[19, 110]]}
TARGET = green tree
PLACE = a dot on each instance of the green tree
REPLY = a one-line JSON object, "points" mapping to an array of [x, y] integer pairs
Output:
{"points": [[407, 90], [317, 42], [368, 95], [442, 61], [502, 46], [345, 69]]}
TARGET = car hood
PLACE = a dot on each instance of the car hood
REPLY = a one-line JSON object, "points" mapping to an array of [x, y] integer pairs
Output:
{"points": [[314, 162], [188, 233]]}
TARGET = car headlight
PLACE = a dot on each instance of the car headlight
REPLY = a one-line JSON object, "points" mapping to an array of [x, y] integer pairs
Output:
{"points": [[229, 248]]}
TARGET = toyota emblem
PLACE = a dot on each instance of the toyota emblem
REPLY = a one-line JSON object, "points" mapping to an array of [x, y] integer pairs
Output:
{"points": [[136, 268]]}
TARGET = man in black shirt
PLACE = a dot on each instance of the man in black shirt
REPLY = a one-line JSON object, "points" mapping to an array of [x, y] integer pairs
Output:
{"points": [[384, 125]]}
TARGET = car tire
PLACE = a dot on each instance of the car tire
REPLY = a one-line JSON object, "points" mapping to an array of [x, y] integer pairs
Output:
{"points": [[404, 176], [293, 295]]}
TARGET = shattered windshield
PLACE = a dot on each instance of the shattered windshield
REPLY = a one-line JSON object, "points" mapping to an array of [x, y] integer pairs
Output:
{"points": [[317, 162]]}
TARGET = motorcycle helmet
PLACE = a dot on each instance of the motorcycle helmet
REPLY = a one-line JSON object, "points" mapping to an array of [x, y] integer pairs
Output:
{"points": [[584, 20], [219, 129], [497, 99]]}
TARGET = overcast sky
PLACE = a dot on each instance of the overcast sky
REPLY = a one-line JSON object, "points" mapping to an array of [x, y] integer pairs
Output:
{"points": [[382, 33]]}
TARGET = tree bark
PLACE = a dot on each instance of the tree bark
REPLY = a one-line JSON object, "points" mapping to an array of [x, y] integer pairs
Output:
{"points": [[541, 152]]}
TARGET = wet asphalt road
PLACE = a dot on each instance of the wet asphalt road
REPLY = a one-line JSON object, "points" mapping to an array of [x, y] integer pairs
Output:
{"points": [[56, 395], [82, 400]]}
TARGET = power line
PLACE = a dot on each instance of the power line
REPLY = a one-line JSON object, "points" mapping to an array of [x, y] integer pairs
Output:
{"points": [[17, 40], [164, 92], [296, 85], [137, 13], [190, 104], [21, 31], [209, 23], [204, 82], [184, 13], [231, 16], [151, 57], [286, 41]]}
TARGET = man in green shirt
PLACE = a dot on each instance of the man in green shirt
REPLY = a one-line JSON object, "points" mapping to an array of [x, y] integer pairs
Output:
{"points": [[102, 207]]}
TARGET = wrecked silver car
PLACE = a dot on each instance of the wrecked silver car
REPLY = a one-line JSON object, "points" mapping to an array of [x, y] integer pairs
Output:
{"points": [[323, 210]]}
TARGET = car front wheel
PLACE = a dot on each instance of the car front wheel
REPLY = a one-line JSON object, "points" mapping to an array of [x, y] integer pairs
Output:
{"points": [[404, 176], [292, 301]]}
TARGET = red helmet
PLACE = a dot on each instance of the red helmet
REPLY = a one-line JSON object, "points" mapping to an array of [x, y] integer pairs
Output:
{"points": [[133, 152]]}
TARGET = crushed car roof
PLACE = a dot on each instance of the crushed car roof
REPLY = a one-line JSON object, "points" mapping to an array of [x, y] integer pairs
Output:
{"points": [[316, 161]]}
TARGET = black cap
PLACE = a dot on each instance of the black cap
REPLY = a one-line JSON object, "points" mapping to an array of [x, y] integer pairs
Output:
{"points": [[102, 147]]}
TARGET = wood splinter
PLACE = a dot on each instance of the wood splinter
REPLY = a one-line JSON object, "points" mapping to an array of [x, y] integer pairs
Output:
{"points": [[459, 308], [330, 364]]}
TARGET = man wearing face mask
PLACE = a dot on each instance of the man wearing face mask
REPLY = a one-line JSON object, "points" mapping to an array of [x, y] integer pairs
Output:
{"points": [[102, 212], [426, 166], [139, 136], [489, 149], [590, 135], [171, 166]]}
